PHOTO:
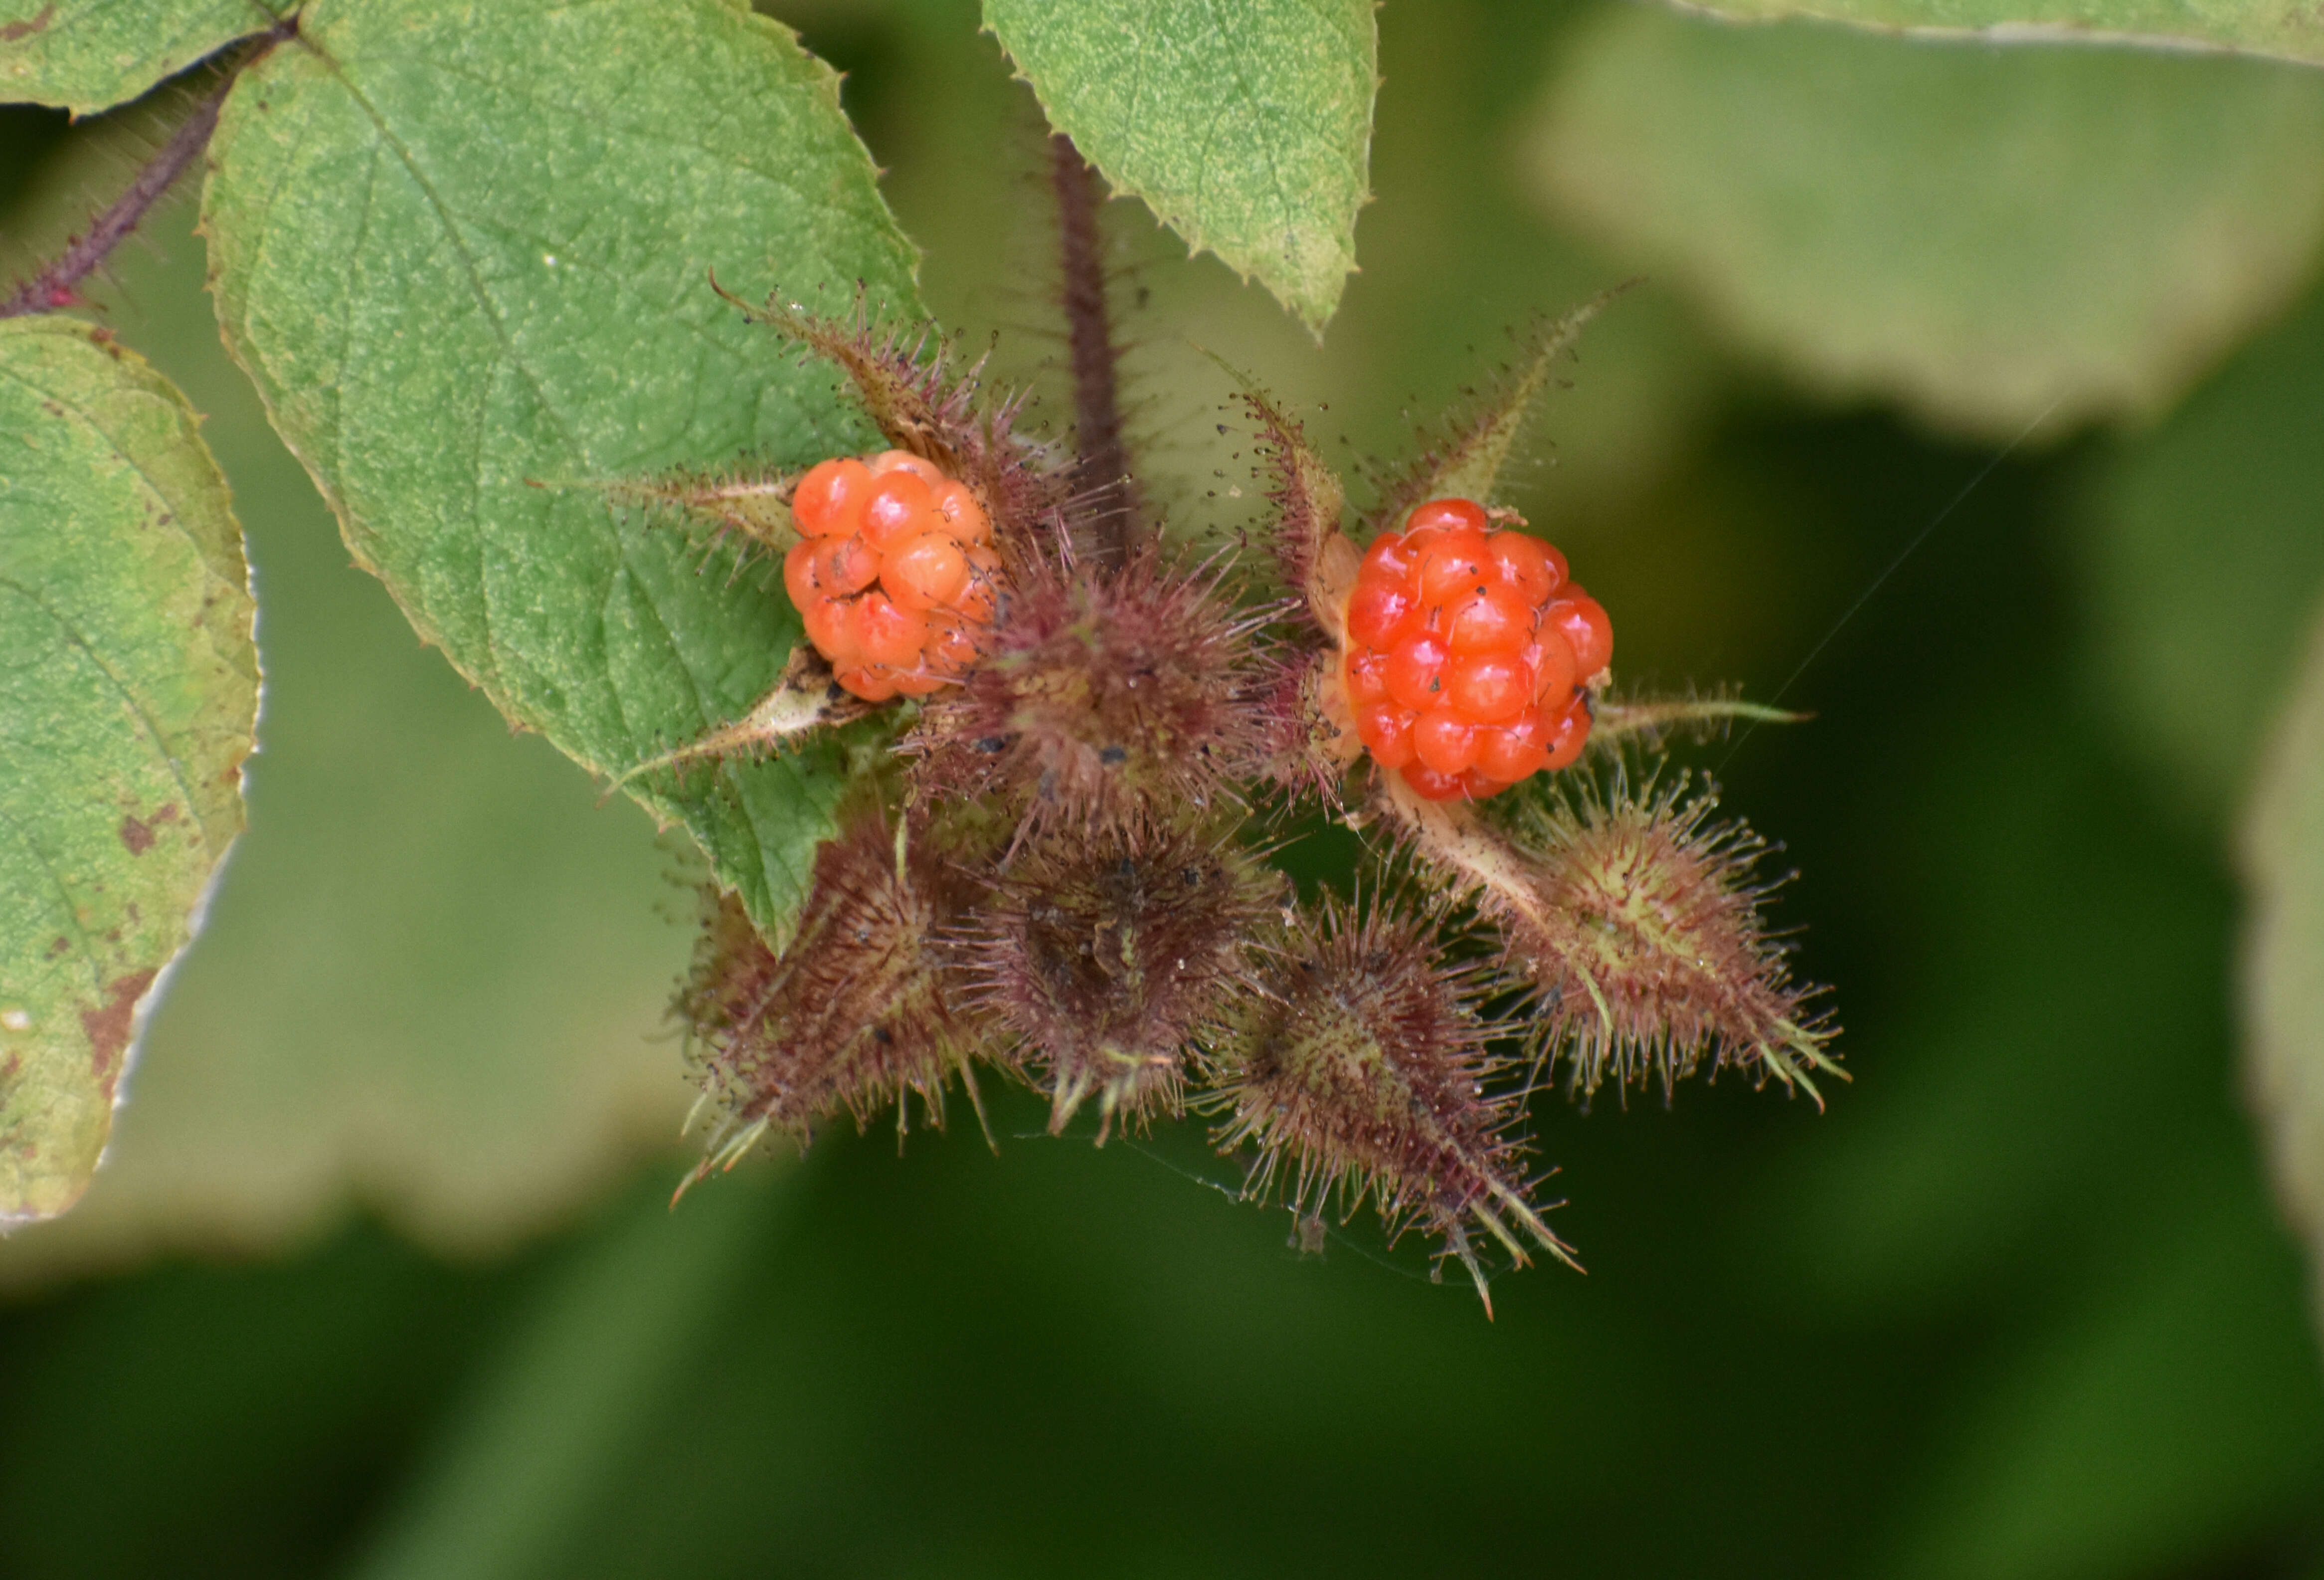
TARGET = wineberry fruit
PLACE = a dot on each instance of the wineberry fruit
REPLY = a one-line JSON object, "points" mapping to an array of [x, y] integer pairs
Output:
{"points": [[894, 574], [1469, 653]]}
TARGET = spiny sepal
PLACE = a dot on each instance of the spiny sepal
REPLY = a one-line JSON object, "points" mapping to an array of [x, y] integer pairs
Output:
{"points": [[905, 379], [1314, 558], [1653, 956], [1624, 723], [1365, 1070], [856, 1012], [1465, 458], [806, 698], [1635, 920], [1105, 698], [1104, 950]]}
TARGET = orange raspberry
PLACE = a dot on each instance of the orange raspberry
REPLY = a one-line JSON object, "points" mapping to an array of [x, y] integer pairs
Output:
{"points": [[925, 572], [901, 504], [963, 517], [926, 470], [889, 635], [1587, 629], [1468, 653], [894, 574], [829, 500]]}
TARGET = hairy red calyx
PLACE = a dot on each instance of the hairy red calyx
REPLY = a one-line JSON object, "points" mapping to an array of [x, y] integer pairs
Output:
{"points": [[1646, 943], [1364, 1069], [1104, 698], [1106, 951], [854, 1013]]}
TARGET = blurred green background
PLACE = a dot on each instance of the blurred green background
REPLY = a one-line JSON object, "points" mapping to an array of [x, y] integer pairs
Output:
{"points": [[379, 1279]]}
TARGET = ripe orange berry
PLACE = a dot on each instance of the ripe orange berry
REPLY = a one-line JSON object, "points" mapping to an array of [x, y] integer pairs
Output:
{"points": [[798, 573], [900, 504], [1457, 513], [888, 461], [894, 574], [844, 566], [1367, 677], [966, 519], [980, 600], [1554, 672], [1454, 566], [1386, 731], [1390, 559], [876, 684], [952, 644], [1416, 670], [925, 572], [887, 635], [831, 627], [829, 500], [1495, 621], [1467, 653], [1444, 739], [1434, 786], [1527, 564], [1568, 735], [1587, 629], [1488, 689], [1381, 611], [828, 568], [1516, 749]]}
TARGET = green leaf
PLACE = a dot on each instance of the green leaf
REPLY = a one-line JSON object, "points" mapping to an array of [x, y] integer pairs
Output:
{"points": [[1984, 236], [465, 257], [2202, 559], [127, 689], [431, 986], [2258, 27], [89, 55], [2283, 954], [1246, 126]]}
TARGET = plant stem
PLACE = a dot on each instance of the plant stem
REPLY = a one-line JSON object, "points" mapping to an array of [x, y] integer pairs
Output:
{"points": [[52, 287], [1103, 468]]}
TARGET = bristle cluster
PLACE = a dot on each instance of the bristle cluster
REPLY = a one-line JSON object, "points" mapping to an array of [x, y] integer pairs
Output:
{"points": [[1105, 951], [854, 1014], [904, 379], [1364, 1069], [1647, 945], [1073, 898], [1104, 698]]}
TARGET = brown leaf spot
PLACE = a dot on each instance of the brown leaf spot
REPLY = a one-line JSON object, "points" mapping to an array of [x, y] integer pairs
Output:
{"points": [[10, 32], [108, 1026], [138, 836], [59, 947]]}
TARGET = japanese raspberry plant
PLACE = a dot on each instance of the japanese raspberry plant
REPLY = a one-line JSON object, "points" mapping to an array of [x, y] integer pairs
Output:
{"points": [[987, 770], [1058, 867]]}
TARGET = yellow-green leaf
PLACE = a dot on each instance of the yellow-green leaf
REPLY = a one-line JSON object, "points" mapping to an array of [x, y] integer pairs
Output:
{"points": [[89, 55], [128, 685], [466, 256]]}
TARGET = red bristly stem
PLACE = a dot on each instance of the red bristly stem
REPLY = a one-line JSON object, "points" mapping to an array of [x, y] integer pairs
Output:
{"points": [[52, 287], [1104, 469]]}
